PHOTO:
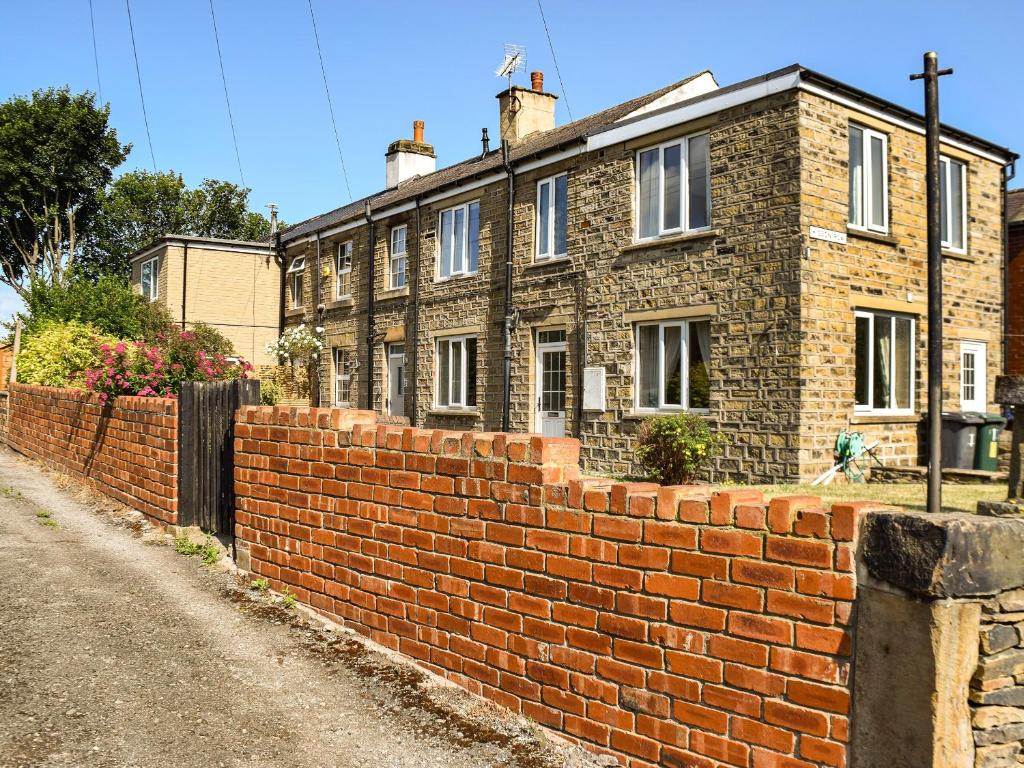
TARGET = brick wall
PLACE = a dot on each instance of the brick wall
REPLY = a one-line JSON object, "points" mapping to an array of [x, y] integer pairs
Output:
{"points": [[128, 450], [3, 416], [1015, 301], [661, 625]]}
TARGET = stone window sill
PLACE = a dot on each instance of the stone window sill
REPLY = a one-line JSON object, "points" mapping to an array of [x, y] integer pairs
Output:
{"points": [[346, 303], [670, 240], [393, 293], [561, 262], [885, 418], [875, 237], [295, 312], [456, 278], [958, 256], [453, 412]]}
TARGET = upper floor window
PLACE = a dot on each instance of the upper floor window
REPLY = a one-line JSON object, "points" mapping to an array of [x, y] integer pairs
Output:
{"points": [[456, 372], [673, 187], [953, 186], [460, 241], [884, 362], [673, 365], [869, 179], [344, 362], [150, 279], [552, 217], [296, 271], [343, 270], [398, 257]]}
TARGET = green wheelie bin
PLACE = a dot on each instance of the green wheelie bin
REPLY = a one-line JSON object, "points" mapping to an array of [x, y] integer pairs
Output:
{"points": [[986, 455]]}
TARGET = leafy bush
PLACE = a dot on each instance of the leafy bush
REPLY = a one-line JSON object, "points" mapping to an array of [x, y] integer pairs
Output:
{"points": [[158, 371], [109, 304], [298, 343], [270, 392], [57, 353], [675, 450]]}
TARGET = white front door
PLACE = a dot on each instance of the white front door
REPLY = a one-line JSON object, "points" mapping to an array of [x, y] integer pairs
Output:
{"points": [[396, 379], [550, 419], [973, 376]]}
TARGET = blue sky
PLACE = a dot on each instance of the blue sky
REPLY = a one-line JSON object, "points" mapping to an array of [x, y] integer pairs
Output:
{"points": [[391, 63]]}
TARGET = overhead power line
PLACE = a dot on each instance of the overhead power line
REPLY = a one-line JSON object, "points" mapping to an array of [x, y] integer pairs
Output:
{"points": [[565, 96], [224, 80], [95, 53], [330, 106], [138, 76]]}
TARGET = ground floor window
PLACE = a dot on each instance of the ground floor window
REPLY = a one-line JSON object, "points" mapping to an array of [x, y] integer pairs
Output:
{"points": [[885, 362], [456, 372], [673, 365], [973, 375], [344, 363]]}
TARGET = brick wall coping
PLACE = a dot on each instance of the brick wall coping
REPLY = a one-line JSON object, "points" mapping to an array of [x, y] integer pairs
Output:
{"points": [[163, 405]]}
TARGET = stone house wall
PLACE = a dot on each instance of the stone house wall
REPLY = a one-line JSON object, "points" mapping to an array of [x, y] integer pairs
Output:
{"points": [[780, 305], [1015, 300], [886, 272]]}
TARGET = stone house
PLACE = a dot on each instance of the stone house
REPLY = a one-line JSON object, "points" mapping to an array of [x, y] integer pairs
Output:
{"points": [[231, 285], [1015, 282], [754, 252]]}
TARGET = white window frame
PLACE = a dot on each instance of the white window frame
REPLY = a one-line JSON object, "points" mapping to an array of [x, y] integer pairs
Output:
{"points": [[398, 261], [296, 272], [945, 168], [343, 266], [464, 370], [980, 401], [872, 316], [343, 365], [464, 271], [868, 181], [154, 278], [550, 255], [684, 188], [684, 325]]}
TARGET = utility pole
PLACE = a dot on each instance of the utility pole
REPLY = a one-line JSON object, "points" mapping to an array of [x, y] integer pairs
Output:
{"points": [[931, 76]]}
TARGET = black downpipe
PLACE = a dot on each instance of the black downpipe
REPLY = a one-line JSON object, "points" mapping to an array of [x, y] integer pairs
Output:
{"points": [[318, 318], [1009, 172], [581, 347], [184, 285], [283, 264], [413, 349], [506, 400], [371, 323]]}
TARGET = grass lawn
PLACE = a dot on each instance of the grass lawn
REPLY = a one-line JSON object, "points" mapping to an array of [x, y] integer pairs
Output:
{"points": [[955, 497]]}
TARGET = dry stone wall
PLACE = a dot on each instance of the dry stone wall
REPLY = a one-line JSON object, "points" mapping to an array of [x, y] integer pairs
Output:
{"points": [[997, 690]]}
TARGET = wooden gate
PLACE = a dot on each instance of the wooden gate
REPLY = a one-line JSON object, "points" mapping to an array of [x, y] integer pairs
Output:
{"points": [[206, 465]]}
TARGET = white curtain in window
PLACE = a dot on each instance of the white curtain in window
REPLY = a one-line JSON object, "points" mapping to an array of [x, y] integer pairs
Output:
{"points": [[883, 361], [703, 330]]}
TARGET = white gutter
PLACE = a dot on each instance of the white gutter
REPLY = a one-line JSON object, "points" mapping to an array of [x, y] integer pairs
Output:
{"points": [[260, 250]]}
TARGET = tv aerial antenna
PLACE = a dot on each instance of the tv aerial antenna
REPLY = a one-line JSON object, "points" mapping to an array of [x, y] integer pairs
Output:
{"points": [[514, 61]]}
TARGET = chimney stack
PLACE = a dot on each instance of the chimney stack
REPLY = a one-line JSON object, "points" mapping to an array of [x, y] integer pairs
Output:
{"points": [[407, 159], [525, 111]]}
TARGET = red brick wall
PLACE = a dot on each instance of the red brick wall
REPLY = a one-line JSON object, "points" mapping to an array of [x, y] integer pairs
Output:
{"points": [[666, 627], [1015, 302], [128, 450]]}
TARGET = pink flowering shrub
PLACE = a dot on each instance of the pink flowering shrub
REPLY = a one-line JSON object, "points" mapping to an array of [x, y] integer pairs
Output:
{"points": [[158, 370]]}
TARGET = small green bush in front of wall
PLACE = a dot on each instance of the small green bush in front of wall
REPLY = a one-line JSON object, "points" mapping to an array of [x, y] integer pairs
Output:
{"points": [[677, 449], [57, 353]]}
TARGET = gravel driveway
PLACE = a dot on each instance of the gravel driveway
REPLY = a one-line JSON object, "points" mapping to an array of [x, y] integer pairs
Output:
{"points": [[117, 651]]}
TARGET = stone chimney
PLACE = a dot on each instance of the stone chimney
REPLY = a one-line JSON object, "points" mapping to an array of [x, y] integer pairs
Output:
{"points": [[526, 111], [407, 159]]}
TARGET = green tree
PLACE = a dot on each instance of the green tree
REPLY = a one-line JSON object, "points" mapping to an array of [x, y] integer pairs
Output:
{"points": [[57, 151], [140, 206]]}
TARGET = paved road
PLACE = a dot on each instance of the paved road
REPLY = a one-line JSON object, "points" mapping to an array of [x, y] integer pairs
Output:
{"points": [[118, 652]]}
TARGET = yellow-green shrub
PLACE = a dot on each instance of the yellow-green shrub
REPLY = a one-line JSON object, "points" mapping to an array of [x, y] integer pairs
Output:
{"points": [[57, 353]]}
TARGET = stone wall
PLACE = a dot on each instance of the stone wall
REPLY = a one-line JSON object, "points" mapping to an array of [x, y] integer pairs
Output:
{"points": [[4, 395], [1015, 301], [127, 449], [997, 689], [657, 624]]}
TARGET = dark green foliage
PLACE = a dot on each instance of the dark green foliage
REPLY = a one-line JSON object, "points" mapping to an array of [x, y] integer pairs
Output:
{"points": [[57, 152], [675, 450], [141, 206], [109, 304]]}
